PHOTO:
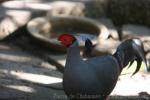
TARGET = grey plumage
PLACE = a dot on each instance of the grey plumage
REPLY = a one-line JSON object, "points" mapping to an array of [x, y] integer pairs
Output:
{"points": [[95, 78], [130, 50], [88, 77]]}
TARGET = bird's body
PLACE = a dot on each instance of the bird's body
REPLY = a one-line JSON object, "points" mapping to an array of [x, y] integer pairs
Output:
{"points": [[94, 78], [84, 75]]}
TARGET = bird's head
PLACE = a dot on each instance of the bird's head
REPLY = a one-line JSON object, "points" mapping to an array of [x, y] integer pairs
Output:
{"points": [[66, 39]]}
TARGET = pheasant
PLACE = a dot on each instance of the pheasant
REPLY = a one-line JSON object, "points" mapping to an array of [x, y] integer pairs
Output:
{"points": [[96, 77]]}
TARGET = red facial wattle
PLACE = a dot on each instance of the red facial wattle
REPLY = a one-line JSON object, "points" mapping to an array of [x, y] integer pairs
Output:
{"points": [[66, 39]]}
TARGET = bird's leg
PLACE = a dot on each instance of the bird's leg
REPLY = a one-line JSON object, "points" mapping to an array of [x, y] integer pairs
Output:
{"points": [[107, 98]]}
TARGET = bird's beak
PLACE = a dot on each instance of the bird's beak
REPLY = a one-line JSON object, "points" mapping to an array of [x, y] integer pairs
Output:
{"points": [[59, 41]]}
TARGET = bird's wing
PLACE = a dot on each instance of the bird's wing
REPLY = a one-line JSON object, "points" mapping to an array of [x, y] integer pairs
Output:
{"points": [[107, 70]]}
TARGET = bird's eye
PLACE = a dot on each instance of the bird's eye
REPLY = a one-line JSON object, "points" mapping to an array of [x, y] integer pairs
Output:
{"points": [[65, 40]]}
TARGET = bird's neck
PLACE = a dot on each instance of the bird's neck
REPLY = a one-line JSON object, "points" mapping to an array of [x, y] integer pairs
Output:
{"points": [[120, 60], [73, 53]]}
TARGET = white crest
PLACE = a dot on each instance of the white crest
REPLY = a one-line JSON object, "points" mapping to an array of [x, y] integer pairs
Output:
{"points": [[82, 37]]}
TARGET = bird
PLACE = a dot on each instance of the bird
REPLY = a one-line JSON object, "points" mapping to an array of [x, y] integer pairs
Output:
{"points": [[95, 78]]}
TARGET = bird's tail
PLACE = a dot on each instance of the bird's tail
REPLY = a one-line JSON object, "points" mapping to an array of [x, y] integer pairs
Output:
{"points": [[130, 50]]}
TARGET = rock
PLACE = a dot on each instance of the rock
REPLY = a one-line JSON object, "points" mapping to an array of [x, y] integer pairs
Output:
{"points": [[104, 33], [105, 47], [144, 95], [7, 26], [147, 46], [66, 8], [148, 56], [112, 29], [68, 24]]}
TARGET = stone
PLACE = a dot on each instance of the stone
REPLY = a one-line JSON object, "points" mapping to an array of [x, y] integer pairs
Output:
{"points": [[147, 46], [105, 47], [104, 33], [7, 26], [112, 29]]}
